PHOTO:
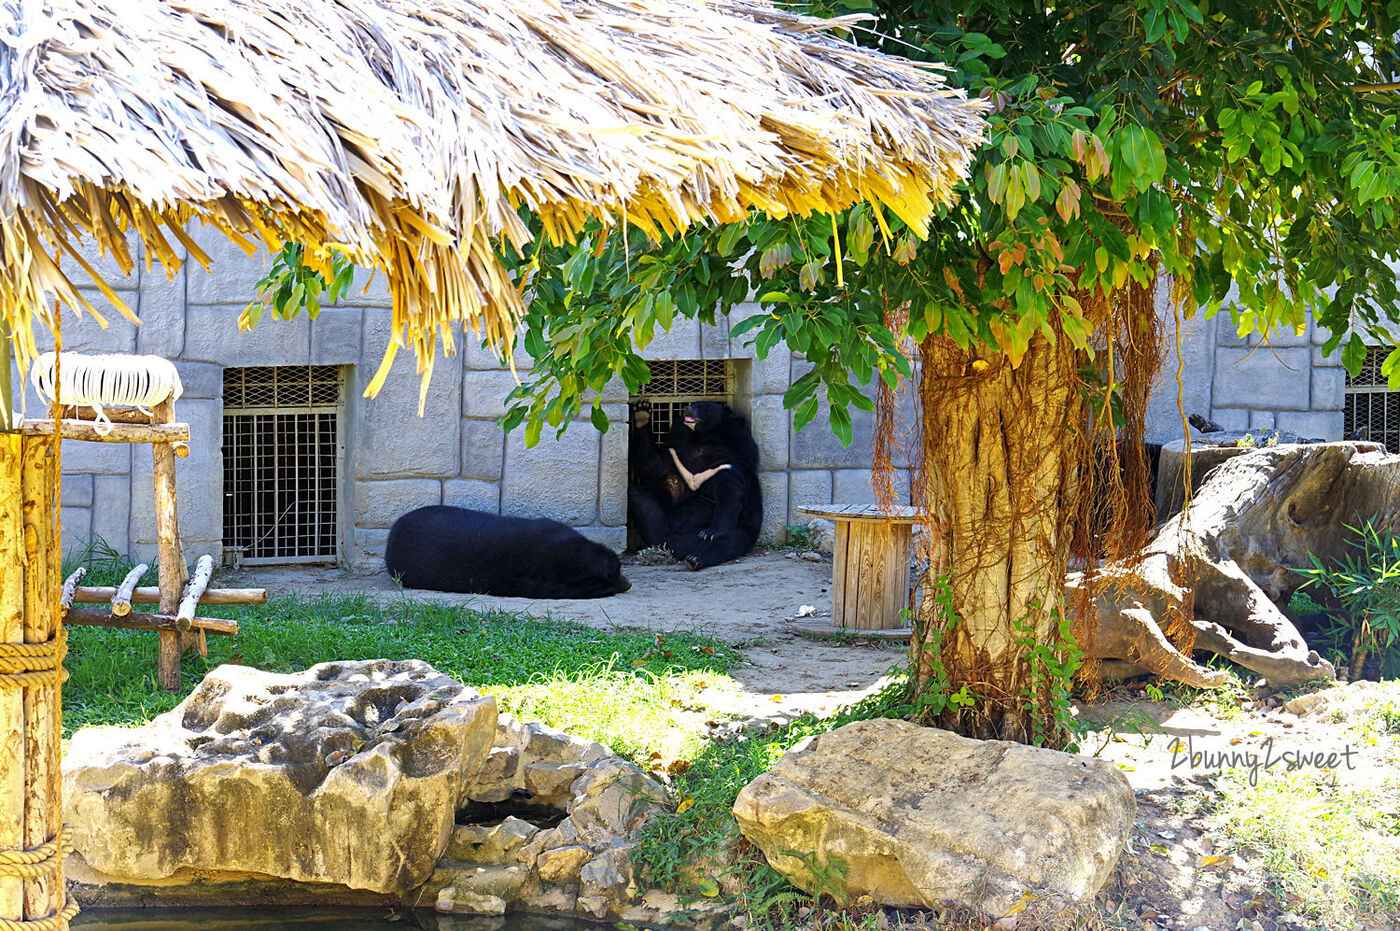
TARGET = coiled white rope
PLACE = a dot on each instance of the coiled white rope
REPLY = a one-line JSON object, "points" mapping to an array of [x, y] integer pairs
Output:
{"points": [[107, 381]]}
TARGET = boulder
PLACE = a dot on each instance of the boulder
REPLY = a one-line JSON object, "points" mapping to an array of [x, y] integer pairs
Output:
{"points": [[532, 762], [557, 814], [920, 817], [349, 773]]}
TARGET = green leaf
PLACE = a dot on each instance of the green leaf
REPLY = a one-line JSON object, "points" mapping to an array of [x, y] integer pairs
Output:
{"points": [[729, 238], [841, 423], [533, 428], [1354, 354], [599, 418], [748, 323], [665, 310], [1154, 25]]}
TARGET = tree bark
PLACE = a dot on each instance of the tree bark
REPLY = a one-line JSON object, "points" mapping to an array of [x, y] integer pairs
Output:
{"points": [[998, 468], [1254, 521]]}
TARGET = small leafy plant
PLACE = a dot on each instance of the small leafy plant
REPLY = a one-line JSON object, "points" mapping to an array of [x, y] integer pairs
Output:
{"points": [[1366, 583], [291, 285]]}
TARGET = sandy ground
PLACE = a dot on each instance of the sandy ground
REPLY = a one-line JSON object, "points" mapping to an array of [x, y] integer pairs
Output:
{"points": [[752, 602]]}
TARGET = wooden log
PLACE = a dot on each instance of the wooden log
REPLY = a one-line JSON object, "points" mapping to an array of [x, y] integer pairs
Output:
{"points": [[11, 700], [161, 434], [150, 594], [172, 557], [71, 588], [84, 617], [43, 895], [114, 414], [194, 590], [121, 598]]}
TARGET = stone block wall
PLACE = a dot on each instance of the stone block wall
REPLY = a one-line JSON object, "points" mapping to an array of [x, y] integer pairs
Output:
{"points": [[1245, 384], [395, 461]]}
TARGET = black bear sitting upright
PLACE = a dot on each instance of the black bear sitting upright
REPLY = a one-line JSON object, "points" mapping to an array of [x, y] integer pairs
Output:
{"points": [[699, 495], [450, 549]]}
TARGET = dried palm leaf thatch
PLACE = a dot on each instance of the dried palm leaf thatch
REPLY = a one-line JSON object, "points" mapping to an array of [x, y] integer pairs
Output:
{"points": [[410, 134]]}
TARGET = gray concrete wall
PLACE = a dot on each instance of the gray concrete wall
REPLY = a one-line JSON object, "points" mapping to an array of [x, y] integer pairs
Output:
{"points": [[394, 460], [1246, 384]]}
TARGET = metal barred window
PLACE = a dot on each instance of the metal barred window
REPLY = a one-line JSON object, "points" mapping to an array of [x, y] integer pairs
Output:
{"points": [[1371, 404], [675, 383], [281, 462]]}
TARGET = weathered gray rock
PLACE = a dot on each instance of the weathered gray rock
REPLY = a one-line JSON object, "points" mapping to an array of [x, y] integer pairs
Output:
{"points": [[496, 843], [919, 817], [534, 762], [606, 883], [577, 866], [611, 800], [346, 773]]}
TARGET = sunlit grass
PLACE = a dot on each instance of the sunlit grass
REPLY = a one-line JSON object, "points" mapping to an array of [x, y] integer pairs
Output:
{"points": [[641, 715], [1331, 854]]}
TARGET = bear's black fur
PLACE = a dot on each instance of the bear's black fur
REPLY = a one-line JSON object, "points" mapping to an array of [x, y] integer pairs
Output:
{"points": [[720, 520], [450, 549]]}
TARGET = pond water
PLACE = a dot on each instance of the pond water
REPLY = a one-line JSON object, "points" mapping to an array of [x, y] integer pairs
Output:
{"points": [[310, 919]]}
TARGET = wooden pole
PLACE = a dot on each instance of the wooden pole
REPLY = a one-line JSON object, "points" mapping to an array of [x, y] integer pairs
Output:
{"points": [[136, 620], [12, 769], [159, 433], [194, 591], [121, 598], [70, 588], [43, 817], [172, 556], [149, 594]]}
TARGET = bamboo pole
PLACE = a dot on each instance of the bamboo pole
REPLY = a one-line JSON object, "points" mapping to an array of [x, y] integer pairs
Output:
{"points": [[83, 617], [43, 818], [150, 594], [12, 768], [172, 557], [121, 598]]}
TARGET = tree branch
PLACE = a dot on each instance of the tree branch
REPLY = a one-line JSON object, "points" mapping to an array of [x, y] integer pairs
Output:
{"points": [[1376, 88]]}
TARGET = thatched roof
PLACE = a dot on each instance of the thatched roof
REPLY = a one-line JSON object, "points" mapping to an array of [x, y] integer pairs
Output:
{"points": [[410, 132]]}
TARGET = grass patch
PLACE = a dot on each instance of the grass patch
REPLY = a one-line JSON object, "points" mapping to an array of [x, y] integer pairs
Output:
{"points": [[113, 671], [1330, 854], [642, 715]]}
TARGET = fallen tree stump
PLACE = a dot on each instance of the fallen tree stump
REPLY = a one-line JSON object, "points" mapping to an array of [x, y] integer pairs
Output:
{"points": [[1253, 522]]}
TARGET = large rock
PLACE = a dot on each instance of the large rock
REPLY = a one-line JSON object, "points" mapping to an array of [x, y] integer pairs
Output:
{"points": [[920, 817], [346, 773], [571, 809]]}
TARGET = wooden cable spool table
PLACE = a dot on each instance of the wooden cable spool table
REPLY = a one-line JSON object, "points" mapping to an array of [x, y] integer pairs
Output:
{"points": [[870, 564]]}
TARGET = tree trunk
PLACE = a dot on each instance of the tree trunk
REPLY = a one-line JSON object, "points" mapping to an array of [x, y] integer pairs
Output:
{"points": [[998, 470]]}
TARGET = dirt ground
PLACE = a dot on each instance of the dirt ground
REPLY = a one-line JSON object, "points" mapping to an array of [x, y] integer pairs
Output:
{"points": [[1173, 875], [754, 602]]}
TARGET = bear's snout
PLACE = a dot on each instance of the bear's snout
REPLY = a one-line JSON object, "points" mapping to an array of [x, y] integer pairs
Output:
{"points": [[623, 584]]}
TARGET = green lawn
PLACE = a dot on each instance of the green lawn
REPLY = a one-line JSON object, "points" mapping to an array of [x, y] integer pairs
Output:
{"points": [[599, 678]]}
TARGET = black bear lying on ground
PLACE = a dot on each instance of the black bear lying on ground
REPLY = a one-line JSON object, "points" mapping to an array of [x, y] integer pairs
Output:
{"points": [[699, 495], [449, 549]]}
